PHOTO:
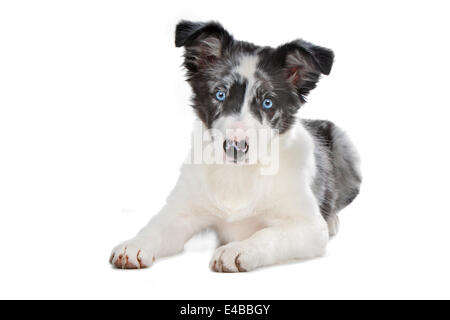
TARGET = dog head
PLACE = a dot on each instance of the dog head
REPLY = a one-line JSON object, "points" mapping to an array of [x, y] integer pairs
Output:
{"points": [[239, 86]]}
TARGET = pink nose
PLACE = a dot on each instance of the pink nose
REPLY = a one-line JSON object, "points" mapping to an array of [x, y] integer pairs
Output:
{"points": [[237, 131], [239, 125]]}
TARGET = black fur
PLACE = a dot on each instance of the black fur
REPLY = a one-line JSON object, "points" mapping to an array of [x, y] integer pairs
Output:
{"points": [[338, 180], [236, 98], [287, 73]]}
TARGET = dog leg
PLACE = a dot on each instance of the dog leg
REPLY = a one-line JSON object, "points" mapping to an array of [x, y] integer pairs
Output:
{"points": [[305, 238], [333, 224], [165, 235]]}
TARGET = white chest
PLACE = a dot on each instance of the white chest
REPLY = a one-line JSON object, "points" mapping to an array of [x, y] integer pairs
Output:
{"points": [[234, 191]]}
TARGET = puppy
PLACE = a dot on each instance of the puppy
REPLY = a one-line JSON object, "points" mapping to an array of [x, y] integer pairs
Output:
{"points": [[264, 212]]}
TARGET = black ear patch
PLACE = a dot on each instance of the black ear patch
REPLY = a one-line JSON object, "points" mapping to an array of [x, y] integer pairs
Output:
{"points": [[317, 58], [205, 43], [303, 63], [322, 56], [187, 32]]}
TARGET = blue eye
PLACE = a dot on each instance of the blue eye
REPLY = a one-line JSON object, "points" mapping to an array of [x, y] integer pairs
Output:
{"points": [[220, 95], [267, 103]]}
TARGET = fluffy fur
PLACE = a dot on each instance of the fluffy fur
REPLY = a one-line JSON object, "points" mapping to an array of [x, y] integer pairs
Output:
{"points": [[260, 219]]}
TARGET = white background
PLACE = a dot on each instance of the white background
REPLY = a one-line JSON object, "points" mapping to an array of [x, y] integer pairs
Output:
{"points": [[95, 122]]}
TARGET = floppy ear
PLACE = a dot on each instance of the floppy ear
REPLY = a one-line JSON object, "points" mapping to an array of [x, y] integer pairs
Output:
{"points": [[303, 63], [204, 43]]}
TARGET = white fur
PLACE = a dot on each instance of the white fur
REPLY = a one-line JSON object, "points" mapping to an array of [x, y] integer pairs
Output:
{"points": [[244, 120], [261, 220]]}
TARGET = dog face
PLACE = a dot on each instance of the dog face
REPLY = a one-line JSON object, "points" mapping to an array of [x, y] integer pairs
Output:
{"points": [[239, 86]]}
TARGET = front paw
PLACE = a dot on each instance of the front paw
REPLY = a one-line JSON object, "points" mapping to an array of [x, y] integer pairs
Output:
{"points": [[131, 255], [235, 257]]}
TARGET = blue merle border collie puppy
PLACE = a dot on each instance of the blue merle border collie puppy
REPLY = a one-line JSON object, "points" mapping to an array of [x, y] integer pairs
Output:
{"points": [[260, 219]]}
